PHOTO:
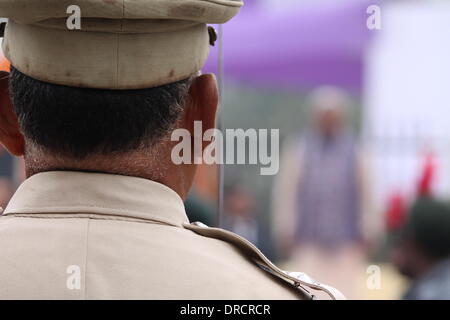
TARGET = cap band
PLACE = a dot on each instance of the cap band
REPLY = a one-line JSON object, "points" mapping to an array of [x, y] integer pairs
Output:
{"points": [[106, 60]]}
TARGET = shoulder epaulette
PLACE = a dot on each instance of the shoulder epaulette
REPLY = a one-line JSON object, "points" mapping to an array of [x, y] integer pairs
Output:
{"points": [[297, 279]]}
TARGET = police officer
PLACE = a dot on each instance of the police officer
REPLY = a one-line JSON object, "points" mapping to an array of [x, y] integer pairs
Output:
{"points": [[91, 109]]}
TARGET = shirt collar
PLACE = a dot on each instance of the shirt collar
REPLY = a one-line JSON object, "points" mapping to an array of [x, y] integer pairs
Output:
{"points": [[99, 194]]}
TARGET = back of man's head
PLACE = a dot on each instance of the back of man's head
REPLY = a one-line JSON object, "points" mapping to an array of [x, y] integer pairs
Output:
{"points": [[77, 123]]}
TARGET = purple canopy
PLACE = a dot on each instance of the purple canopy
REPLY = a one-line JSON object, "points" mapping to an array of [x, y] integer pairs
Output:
{"points": [[307, 46]]}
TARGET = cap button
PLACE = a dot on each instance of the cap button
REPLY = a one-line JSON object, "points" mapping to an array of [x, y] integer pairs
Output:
{"points": [[2, 29], [212, 36]]}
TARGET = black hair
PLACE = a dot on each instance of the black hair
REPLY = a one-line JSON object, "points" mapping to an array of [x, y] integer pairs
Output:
{"points": [[429, 227], [80, 122]]}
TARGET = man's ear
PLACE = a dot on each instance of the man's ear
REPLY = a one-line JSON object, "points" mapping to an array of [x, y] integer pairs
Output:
{"points": [[202, 104], [10, 136]]}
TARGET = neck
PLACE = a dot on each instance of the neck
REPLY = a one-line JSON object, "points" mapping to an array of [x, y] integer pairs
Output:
{"points": [[139, 164]]}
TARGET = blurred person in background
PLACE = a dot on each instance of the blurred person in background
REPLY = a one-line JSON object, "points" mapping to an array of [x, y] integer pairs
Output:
{"points": [[201, 205], [240, 212], [5, 192], [422, 250], [6, 175], [200, 210], [319, 195], [6, 164]]}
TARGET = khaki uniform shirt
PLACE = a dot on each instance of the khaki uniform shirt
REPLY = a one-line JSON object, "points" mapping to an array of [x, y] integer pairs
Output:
{"points": [[73, 235]]}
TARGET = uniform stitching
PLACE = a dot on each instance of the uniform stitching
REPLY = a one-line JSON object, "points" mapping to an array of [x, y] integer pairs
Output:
{"points": [[88, 216], [86, 258], [118, 44], [77, 208], [231, 3]]}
